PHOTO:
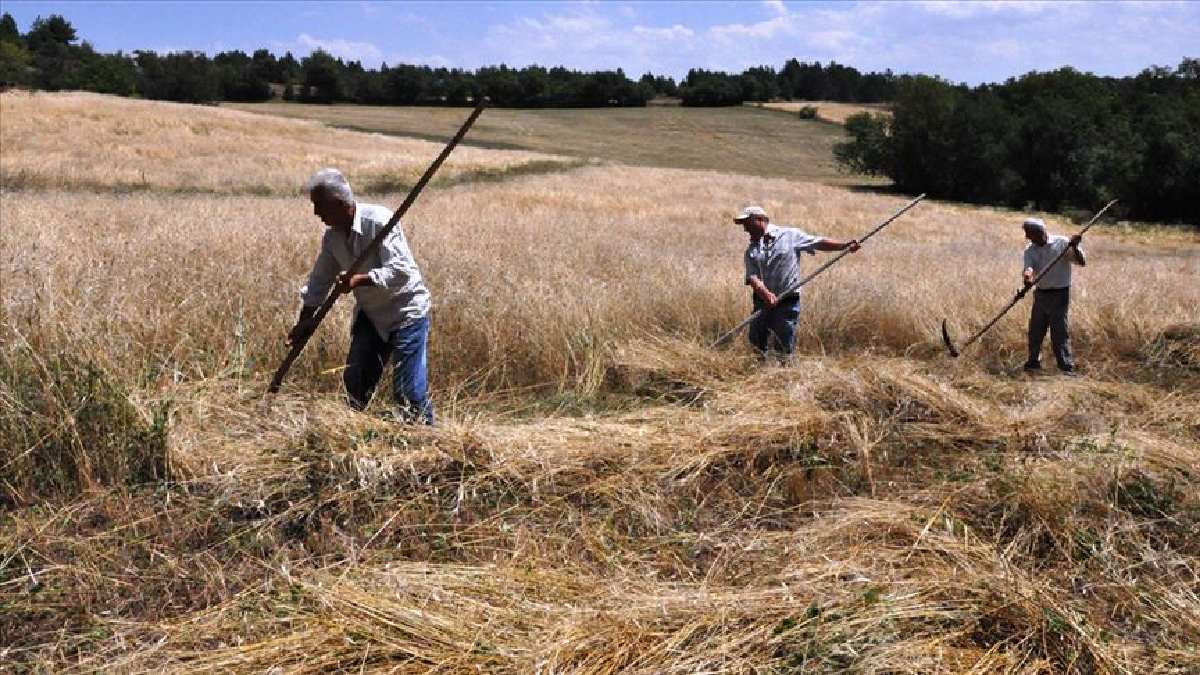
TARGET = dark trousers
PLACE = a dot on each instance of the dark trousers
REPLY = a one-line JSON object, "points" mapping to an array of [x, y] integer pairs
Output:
{"points": [[1050, 311], [775, 328], [369, 353]]}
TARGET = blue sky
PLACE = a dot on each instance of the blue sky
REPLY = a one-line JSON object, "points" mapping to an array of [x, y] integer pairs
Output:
{"points": [[963, 41]]}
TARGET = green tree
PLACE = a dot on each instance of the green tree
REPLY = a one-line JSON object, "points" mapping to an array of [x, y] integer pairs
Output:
{"points": [[8, 29], [922, 146], [15, 64], [49, 32], [323, 78], [869, 149], [109, 74]]}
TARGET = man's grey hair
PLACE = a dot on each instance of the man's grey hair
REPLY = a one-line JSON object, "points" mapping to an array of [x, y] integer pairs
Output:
{"points": [[332, 183]]}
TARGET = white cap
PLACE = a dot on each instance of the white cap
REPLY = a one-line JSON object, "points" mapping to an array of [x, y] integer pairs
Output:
{"points": [[1034, 224], [751, 211]]}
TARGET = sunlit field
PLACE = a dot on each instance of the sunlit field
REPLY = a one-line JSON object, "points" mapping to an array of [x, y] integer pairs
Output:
{"points": [[733, 140], [605, 492], [830, 111], [85, 142]]}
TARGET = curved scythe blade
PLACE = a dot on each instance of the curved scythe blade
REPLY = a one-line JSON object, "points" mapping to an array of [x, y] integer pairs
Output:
{"points": [[947, 340]]}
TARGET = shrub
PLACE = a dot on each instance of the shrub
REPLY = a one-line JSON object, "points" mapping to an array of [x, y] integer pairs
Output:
{"points": [[66, 426]]}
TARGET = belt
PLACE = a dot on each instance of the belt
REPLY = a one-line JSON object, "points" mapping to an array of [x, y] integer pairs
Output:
{"points": [[1049, 290]]}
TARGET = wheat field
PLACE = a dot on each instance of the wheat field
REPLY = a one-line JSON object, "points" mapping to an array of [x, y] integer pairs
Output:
{"points": [[605, 493], [738, 140], [830, 111]]}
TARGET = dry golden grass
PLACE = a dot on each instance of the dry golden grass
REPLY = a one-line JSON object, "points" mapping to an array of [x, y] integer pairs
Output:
{"points": [[606, 494], [535, 279], [830, 111], [737, 140], [93, 142]]}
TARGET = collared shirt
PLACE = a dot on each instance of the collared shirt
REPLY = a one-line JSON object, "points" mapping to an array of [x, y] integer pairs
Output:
{"points": [[1037, 257], [775, 258], [398, 296]]}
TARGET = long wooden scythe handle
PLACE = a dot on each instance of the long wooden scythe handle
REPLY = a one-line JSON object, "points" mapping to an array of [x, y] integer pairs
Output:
{"points": [[955, 351], [791, 292], [298, 346]]}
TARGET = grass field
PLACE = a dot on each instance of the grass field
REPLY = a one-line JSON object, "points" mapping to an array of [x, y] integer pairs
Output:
{"points": [[54, 142], [829, 111], [735, 140], [605, 493]]}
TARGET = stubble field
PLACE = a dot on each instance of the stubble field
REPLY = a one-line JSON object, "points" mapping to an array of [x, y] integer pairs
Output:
{"points": [[829, 111], [732, 140], [605, 493]]}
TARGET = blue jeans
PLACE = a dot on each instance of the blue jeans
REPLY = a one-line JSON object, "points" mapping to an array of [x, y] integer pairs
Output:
{"points": [[779, 323], [369, 353]]}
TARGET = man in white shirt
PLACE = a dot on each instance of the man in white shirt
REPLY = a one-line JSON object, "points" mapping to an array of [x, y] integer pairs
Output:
{"points": [[391, 317], [1052, 298], [773, 268]]}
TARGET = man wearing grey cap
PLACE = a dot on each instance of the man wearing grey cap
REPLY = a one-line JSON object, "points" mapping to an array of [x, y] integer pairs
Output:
{"points": [[1052, 298], [772, 269]]}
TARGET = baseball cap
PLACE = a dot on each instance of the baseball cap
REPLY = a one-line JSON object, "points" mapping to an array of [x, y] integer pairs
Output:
{"points": [[750, 211]]}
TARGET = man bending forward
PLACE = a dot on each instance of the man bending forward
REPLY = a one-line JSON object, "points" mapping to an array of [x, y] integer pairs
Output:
{"points": [[391, 317]]}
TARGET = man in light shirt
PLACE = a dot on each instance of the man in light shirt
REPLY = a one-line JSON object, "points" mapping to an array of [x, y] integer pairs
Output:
{"points": [[391, 316], [1052, 298], [772, 269]]}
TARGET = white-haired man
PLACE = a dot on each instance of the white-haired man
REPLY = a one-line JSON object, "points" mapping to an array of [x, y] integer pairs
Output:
{"points": [[772, 269], [1052, 298], [391, 317]]}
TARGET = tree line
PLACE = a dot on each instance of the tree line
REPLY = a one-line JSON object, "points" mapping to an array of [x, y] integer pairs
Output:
{"points": [[1054, 141], [51, 57], [797, 80]]}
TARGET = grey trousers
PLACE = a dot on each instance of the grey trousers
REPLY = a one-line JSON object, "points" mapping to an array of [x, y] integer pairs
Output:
{"points": [[1050, 311]]}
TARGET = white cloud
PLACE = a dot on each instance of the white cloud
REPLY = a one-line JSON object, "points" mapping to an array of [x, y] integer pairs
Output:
{"points": [[675, 32], [345, 49], [776, 7], [1003, 49], [762, 30], [834, 40], [585, 39], [971, 42], [963, 9]]}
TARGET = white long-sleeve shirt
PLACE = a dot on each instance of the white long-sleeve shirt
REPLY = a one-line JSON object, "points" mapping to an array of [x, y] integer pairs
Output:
{"points": [[399, 294], [1037, 257]]}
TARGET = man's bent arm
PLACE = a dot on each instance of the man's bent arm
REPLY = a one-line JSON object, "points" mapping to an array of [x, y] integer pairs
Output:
{"points": [[395, 268], [1078, 257], [835, 245], [320, 279], [760, 290]]}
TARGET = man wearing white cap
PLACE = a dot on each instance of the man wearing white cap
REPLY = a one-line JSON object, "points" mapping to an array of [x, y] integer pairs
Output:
{"points": [[772, 269], [1052, 298]]}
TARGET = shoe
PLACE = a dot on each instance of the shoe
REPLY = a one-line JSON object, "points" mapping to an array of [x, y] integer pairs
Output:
{"points": [[1033, 367], [1069, 372]]}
